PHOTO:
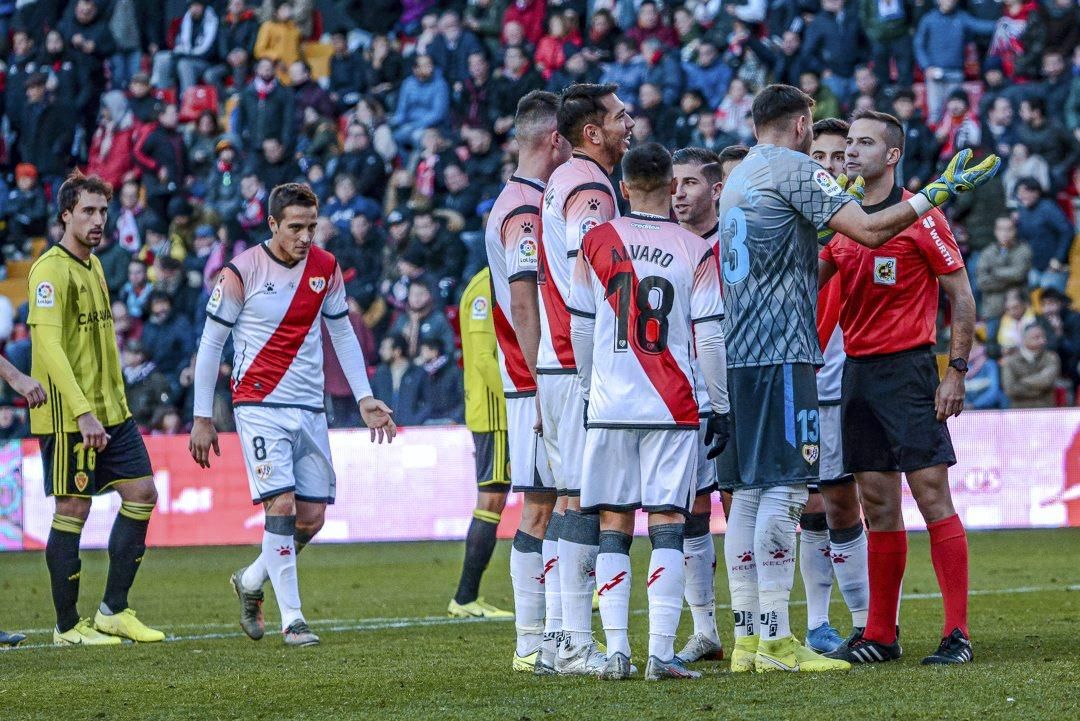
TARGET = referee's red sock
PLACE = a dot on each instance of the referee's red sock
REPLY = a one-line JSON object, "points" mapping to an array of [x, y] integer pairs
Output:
{"points": [[886, 560], [949, 552]]}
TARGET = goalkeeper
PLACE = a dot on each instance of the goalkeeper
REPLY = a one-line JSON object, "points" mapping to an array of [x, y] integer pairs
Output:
{"points": [[893, 406]]}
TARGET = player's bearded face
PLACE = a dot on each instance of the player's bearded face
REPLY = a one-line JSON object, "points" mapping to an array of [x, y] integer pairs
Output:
{"points": [[86, 221], [693, 197], [617, 129], [294, 234]]}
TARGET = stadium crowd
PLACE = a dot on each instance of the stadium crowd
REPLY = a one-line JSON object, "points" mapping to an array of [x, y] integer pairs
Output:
{"points": [[398, 112]]}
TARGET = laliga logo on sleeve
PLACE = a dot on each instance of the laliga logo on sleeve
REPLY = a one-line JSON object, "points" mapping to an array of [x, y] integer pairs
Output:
{"points": [[45, 296], [215, 299], [588, 224], [480, 309], [318, 283], [827, 183]]}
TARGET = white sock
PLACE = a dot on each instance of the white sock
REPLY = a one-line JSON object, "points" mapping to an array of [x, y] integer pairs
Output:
{"points": [[699, 554], [742, 569], [526, 572], [774, 545], [552, 584], [578, 545], [849, 565], [665, 585], [613, 578], [279, 554], [817, 573], [255, 575]]}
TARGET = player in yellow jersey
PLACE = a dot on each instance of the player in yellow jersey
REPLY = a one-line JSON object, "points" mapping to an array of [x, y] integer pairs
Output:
{"points": [[89, 443], [485, 415]]}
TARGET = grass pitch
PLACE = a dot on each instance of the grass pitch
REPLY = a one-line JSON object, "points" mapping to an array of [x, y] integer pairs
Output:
{"points": [[389, 652]]}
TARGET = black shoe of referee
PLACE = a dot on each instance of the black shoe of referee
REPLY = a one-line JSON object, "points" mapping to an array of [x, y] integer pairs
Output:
{"points": [[954, 648], [857, 649]]}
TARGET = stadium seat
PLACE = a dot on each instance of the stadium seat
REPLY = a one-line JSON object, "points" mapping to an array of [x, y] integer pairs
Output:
{"points": [[317, 56], [196, 100], [15, 290], [19, 268], [38, 246]]}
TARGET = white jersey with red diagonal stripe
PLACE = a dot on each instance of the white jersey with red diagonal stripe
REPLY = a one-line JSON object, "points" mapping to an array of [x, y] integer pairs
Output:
{"points": [[646, 281], [831, 338], [275, 314], [702, 392], [511, 237], [579, 197]]}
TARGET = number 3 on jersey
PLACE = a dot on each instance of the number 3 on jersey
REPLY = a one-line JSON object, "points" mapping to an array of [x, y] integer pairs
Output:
{"points": [[737, 258]]}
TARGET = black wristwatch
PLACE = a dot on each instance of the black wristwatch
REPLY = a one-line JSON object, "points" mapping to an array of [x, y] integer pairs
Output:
{"points": [[959, 364]]}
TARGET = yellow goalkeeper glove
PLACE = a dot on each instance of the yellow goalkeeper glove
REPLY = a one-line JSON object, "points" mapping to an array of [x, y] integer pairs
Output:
{"points": [[959, 178]]}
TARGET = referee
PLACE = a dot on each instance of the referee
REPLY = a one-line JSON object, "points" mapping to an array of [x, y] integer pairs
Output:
{"points": [[89, 443], [485, 415], [892, 404]]}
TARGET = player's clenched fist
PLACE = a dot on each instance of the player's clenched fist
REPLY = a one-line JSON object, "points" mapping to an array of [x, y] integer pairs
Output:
{"points": [[376, 415], [717, 433], [29, 389], [203, 437]]}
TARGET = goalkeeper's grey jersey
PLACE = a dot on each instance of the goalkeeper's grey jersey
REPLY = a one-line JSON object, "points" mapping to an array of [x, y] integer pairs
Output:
{"points": [[772, 207]]}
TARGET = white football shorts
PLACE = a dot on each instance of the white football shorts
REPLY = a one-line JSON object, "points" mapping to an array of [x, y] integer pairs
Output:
{"points": [[563, 410], [529, 469], [831, 463], [630, 468], [286, 449]]}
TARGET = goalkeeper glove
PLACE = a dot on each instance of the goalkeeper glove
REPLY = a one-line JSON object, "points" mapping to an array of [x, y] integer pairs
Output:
{"points": [[959, 178], [717, 433], [857, 190]]}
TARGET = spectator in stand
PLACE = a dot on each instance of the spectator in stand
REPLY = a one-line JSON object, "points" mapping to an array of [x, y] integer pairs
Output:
{"points": [[602, 36], [999, 128], [996, 85], [161, 156], [265, 110], [485, 17], [443, 253], [348, 73], [361, 162], [578, 69], [26, 211], [471, 98], [45, 133], [514, 80], [58, 62], [460, 197], [1002, 268], [444, 392], [706, 135], [529, 14], [236, 46], [708, 74], [87, 32], [166, 422], [400, 382], [939, 49], [982, 384], [129, 218], [251, 219], [1063, 325], [651, 105], [424, 102], [976, 218], [959, 127], [789, 64], [833, 45], [888, 25], [194, 51], [167, 336], [733, 115], [273, 165], [422, 319], [1017, 317], [342, 410], [663, 69], [307, 94], [136, 292], [650, 25], [451, 48], [146, 387], [1054, 87], [114, 264], [112, 147], [171, 278], [1060, 20], [691, 107], [1048, 139], [200, 143], [1022, 164], [359, 252], [278, 40], [826, 104], [140, 98], [1030, 375], [1018, 42], [346, 204], [386, 68], [21, 64], [627, 70], [1042, 224], [550, 53], [12, 424], [920, 148]]}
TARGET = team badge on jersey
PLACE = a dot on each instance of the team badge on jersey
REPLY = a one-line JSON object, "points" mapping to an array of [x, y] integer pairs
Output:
{"points": [[318, 284], [810, 452], [81, 481], [827, 183], [480, 309], [215, 299], [264, 471], [45, 295], [885, 271]]}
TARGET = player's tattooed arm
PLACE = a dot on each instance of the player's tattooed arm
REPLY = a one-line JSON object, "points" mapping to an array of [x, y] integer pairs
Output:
{"points": [[949, 400]]}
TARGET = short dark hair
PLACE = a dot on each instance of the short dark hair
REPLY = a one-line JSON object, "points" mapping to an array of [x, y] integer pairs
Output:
{"points": [[779, 103], [289, 194], [1036, 102], [1031, 183], [534, 111], [579, 105], [732, 153], [398, 343], [435, 343], [707, 160], [830, 126], [647, 167], [157, 295], [894, 130], [76, 184]]}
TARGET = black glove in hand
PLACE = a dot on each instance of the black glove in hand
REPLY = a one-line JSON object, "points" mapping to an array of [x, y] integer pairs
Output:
{"points": [[717, 433], [585, 416]]}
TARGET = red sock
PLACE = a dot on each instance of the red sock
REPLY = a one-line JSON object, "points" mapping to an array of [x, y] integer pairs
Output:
{"points": [[949, 552], [886, 561]]}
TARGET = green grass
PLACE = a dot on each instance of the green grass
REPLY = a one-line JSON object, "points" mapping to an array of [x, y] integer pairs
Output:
{"points": [[1027, 664]]}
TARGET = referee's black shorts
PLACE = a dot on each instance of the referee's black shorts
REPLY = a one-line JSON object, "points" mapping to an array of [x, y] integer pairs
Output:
{"points": [[887, 407]]}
